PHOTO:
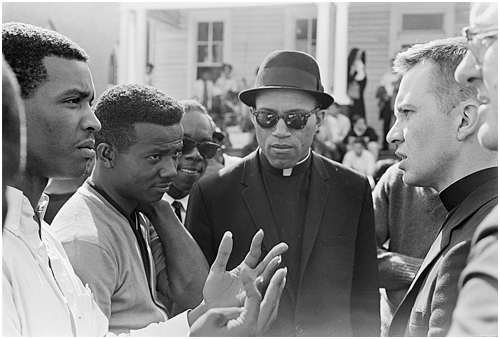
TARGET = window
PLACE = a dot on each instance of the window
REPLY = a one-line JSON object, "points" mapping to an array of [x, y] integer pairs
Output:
{"points": [[412, 22], [305, 36], [210, 43]]}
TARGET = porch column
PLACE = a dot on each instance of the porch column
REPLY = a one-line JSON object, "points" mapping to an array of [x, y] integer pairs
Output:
{"points": [[123, 57], [141, 46], [341, 53], [323, 43]]}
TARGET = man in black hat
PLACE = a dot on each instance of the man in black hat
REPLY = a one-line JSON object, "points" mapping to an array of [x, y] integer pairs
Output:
{"points": [[321, 209]]}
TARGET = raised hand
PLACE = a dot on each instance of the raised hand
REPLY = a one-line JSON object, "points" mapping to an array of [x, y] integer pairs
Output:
{"points": [[254, 318], [225, 288]]}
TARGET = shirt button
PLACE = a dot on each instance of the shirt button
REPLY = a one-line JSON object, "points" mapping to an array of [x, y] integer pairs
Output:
{"points": [[299, 329], [14, 227]]}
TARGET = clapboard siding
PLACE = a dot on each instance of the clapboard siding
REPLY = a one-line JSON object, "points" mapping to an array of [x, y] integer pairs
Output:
{"points": [[170, 59], [79, 21]]}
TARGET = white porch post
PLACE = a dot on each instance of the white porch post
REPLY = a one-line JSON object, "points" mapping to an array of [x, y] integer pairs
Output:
{"points": [[141, 46], [323, 43], [123, 59], [341, 52]]}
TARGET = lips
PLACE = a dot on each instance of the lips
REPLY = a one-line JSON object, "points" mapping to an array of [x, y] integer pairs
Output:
{"points": [[190, 171], [398, 154], [281, 146]]}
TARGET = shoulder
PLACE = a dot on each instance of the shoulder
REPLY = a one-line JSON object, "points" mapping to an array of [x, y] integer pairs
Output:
{"points": [[84, 217]]}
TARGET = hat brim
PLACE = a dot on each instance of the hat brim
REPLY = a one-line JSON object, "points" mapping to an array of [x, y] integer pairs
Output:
{"points": [[248, 96]]}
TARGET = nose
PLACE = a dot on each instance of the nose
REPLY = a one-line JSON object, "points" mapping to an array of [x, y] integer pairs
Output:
{"points": [[467, 70], [281, 130], [194, 155], [169, 168], [90, 121], [395, 134]]}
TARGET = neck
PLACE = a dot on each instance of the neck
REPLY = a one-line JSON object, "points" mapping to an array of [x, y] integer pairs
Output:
{"points": [[476, 160], [31, 185], [60, 186], [176, 193], [106, 184]]}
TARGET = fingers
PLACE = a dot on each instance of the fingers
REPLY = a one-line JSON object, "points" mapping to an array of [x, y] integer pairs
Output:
{"points": [[268, 273], [252, 302], [270, 304], [252, 258], [275, 251], [225, 248]]}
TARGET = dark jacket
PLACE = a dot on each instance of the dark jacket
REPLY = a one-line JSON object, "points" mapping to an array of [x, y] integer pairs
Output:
{"points": [[338, 288], [428, 305]]}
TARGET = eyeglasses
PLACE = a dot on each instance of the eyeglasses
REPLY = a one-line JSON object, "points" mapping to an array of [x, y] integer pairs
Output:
{"points": [[207, 149], [479, 42], [294, 120]]}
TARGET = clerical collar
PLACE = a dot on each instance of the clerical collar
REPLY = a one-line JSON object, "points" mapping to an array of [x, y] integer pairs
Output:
{"points": [[298, 169], [455, 194]]}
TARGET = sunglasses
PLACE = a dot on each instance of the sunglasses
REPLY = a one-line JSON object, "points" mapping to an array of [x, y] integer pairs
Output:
{"points": [[207, 149], [294, 120], [479, 42]]}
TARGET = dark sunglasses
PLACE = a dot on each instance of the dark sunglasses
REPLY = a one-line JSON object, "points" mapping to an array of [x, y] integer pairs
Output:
{"points": [[294, 120], [207, 149]]}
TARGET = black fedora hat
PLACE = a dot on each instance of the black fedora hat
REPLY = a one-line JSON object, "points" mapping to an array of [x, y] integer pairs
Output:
{"points": [[288, 70]]}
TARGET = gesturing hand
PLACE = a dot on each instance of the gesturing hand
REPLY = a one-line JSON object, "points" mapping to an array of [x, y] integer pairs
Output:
{"points": [[250, 320], [225, 288]]}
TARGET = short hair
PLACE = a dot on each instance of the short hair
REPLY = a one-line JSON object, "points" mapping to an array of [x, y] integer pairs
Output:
{"points": [[446, 55], [25, 47], [190, 105], [121, 107], [13, 125]]}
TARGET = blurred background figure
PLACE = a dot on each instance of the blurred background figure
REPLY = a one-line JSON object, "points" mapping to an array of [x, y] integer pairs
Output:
{"points": [[13, 131], [386, 93], [356, 81], [407, 219], [225, 100], [204, 90], [329, 140], [360, 159], [361, 129]]}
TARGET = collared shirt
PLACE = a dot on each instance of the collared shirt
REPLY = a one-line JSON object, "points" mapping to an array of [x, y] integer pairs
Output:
{"points": [[41, 294], [455, 194], [183, 201]]}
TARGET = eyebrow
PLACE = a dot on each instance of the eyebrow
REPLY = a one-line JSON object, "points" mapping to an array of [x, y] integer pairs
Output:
{"points": [[77, 92]]}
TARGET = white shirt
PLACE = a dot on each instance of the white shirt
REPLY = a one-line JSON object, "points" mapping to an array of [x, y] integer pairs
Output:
{"points": [[40, 301], [36, 300], [184, 204]]}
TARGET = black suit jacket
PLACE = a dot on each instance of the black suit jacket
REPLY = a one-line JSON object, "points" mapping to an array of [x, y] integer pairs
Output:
{"points": [[428, 305], [338, 289]]}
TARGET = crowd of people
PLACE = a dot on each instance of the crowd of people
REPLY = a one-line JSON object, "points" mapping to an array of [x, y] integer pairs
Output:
{"points": [[157, 232]]}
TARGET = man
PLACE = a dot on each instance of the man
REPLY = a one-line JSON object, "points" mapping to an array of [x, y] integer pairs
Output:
{"points": [[13, 131], [407, 220], [41, 294], [436, 136], [192, 163], [121, 238], [360, 159], [329, 141], [476, 313], [361, 129], [321, 209]]}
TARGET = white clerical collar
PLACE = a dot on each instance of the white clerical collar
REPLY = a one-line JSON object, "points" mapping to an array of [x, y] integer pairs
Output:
{"points": [[288, 171]]}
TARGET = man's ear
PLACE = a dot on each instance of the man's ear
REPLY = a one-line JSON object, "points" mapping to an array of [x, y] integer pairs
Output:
{"points": [[470, 121], [320, 116], [106, 154]]}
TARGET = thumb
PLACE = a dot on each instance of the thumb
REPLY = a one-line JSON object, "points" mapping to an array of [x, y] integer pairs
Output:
{"points": [[225, 248]]}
